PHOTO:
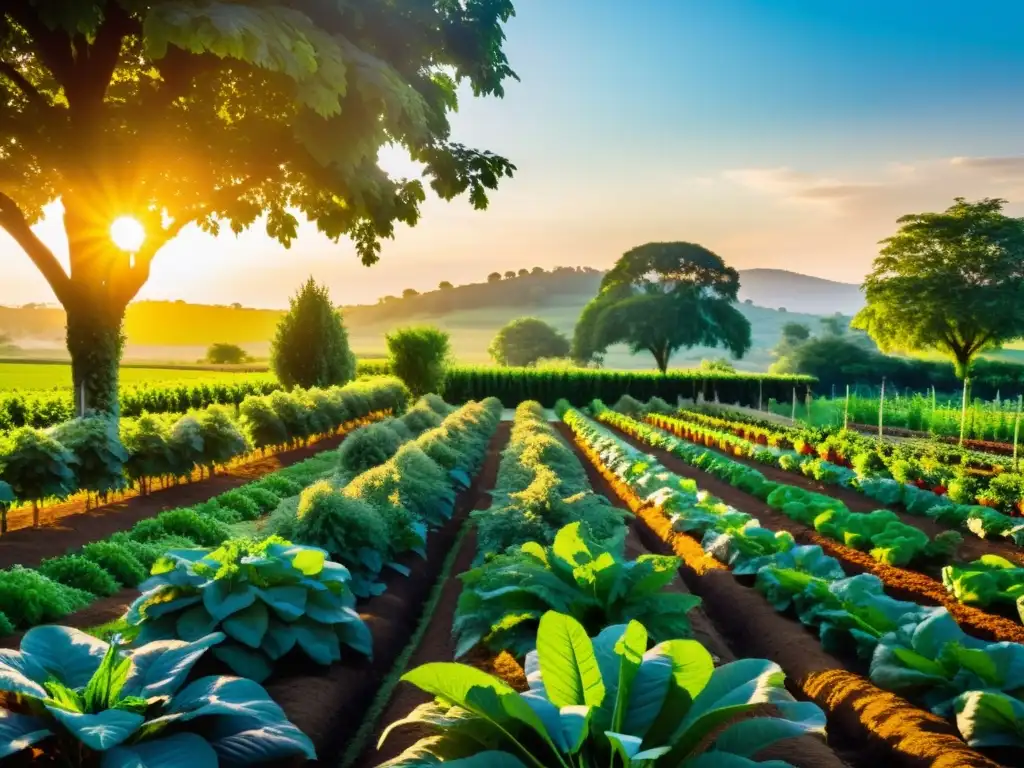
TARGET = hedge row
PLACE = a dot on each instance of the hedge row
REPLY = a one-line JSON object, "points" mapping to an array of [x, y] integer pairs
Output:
{"points": [[580, 386]]}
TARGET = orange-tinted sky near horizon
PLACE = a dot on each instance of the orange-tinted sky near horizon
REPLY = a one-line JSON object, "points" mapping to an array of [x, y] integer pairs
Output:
{"points": [[774, 137]]}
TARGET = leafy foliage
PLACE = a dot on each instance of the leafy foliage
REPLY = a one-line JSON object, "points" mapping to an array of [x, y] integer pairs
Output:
{"points": [[99, 455], [418, 357], [369, 446], [526, 340], [80, 573], [83, 698], [268, 597], [503, 600], [310, 347], [28, 598], [226, 354], [37, 466], [592, 702], [661, 297]]}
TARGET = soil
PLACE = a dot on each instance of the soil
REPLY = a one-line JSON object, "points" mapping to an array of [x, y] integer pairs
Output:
{"points": [[972, 547], [328, 704], [901, 583], [68, 527]]}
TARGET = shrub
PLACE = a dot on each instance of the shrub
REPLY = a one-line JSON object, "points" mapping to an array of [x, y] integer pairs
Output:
{"points": [[186, 446], [310, 347], [349, 529], [266, 501], [185, 522], [279, 485], [629, 406], [79, 572], [28, 598], [420, 418], [99, 455], [37, 467], [241, 503], [149, 455], [369, 447], [292, 414], [117, 560], [147, 552], [437, 404], [657, 405], [418, 357], [222, 440], [261, 423], [267, 596]]}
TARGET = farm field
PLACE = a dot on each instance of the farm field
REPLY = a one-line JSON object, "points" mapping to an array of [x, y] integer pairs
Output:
{"points": [[39, 375]]}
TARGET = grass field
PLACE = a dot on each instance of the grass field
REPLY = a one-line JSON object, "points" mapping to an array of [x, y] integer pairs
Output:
{"points": [[58, 375]]}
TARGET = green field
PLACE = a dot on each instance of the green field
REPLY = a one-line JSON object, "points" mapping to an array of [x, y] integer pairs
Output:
{"points": [[58, 375]]}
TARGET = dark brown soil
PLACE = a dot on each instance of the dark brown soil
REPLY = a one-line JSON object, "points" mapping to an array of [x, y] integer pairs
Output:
{"points": [[329, 705], [900, 583], [66, 530], [971, 549], [866, 724]]}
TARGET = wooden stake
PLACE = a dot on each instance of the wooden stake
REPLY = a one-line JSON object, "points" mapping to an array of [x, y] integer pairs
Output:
{"points": [[1016, 432]]}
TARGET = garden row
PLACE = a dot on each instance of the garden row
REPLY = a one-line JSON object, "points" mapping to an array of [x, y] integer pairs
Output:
{"points": [[99, 456], [553, 588], [914, 651], [270, 609]]}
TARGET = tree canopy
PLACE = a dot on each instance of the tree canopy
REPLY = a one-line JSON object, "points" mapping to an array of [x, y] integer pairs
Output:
{"points": [[662, 297], [526, 340], [951, 282], [310, 347], [218, 113]]}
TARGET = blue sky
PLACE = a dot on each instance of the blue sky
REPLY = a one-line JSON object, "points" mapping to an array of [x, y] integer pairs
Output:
{"points": [[778, 133]]}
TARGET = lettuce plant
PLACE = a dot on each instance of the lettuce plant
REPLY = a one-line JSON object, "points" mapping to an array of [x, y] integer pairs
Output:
{"points": [[991, 579], [503, 600], [597, 702], [268, 597], [95, 703]]}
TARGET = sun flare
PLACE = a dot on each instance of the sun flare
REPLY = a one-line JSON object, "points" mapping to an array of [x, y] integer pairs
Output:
{"points": [[127, 233]]}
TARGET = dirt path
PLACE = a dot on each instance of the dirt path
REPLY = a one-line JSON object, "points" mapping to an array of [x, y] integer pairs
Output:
{"points": [[901, 583], [28, 546], [868, 725], [971, 549]]}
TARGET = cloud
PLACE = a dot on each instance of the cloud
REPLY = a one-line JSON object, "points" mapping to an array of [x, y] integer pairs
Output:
{"points": [[999, 167]]}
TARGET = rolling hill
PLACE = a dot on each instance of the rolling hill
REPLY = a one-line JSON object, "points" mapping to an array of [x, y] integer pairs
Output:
{"points": [[176, 331]]}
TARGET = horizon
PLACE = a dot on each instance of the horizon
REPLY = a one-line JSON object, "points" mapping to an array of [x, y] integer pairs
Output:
{"points": [[767, 135]]}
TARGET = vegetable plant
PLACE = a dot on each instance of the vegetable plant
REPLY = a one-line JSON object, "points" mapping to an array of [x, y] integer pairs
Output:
{"points": [[990, 579], [267, 597], [503, 600], [604, 701], [37, 467], [88, 702]]}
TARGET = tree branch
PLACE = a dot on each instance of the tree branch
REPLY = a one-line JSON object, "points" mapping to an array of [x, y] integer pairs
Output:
{"points": [[53, 46], [22, 83], [14, 221]]}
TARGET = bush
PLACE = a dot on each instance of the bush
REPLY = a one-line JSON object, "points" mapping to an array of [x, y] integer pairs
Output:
{"points": [[99, 455], [310, 347], [266, 501], [418, 357], [117, 560], [244, 505], [149, 551], [186, 522], [186, 446], [222, 440], [369, 447], [149, 455], [79, 572], [629, 406], [226, 354], [261, 424], [28, 598], [36, 466], [437, 404], [279, 485], [526, 340], [420, 418]]}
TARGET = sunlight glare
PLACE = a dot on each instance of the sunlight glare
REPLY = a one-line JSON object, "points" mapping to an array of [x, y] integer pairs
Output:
{"points": [[127, 233]]}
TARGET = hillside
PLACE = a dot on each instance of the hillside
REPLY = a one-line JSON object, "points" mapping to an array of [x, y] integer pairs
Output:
{"points": [[799, 293], [176, 331]]}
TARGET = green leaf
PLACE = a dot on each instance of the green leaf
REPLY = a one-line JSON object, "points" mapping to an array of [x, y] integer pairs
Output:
{"points": [[630, 648], [19, 732], [180, 749], [567, 662], [102, 730]]}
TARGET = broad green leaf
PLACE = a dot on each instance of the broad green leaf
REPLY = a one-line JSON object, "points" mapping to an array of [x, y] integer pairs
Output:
{"points": [[568, 665], [70, 655], [99, 731], [18, 732], [175, 751]]}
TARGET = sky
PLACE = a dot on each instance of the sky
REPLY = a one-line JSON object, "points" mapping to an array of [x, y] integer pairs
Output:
{"points": [[788, 134]]}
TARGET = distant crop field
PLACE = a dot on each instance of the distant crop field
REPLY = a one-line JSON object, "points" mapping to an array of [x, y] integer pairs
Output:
{"points": [[27, 376]]}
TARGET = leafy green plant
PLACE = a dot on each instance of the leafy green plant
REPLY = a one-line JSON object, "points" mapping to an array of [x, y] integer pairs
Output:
{"points": [[99, 454], [28, 598], [149, 455], [594, 702], [421, 417], [118, 560], [990, 579], [84, 701], [185, 442], [369, 446], [268, 597], [503, 600], [261, 424], [79, 572], [310, 346], [184, 521], [418, 356], [37, 467]]}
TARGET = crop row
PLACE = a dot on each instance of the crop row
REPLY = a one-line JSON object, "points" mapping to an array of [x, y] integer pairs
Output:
{"points": [[100, 456], [876, 484], [553, 588], [253, 602], [916, 651]]}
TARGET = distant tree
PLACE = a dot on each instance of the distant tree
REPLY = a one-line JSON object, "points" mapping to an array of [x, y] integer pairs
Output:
{"points": [[835, 325], [537, 271], [662, 297], [310, 347], [236, 305], [221, 115], [523, 272], [7, 344], [408, 293], [748, 302], [718, 365], [444, 285], [388, 299], [226, 354], [951, 282], [526, 340], [782, 309], [418, 357], [510, 274], [494, 277], [794, 333]]}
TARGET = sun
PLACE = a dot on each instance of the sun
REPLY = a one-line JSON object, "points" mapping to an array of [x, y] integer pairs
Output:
{"points": [[127, 233]]}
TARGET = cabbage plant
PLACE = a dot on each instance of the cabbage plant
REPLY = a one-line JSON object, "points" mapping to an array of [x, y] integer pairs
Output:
{"points": [[88, 702], [603, 702], [503, 600], [268, 597]]}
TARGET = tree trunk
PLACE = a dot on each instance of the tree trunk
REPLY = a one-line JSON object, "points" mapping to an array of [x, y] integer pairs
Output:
{"points": [[963, 408], [661, 357], [95, 342]]}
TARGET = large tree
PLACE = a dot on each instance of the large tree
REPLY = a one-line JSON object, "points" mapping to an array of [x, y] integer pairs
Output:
{"points": [[178, 112], [526, 340], [662, 297], [951, 282]]}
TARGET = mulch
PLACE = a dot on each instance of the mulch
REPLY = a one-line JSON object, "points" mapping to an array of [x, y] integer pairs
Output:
{"points": [[66, 529]]}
